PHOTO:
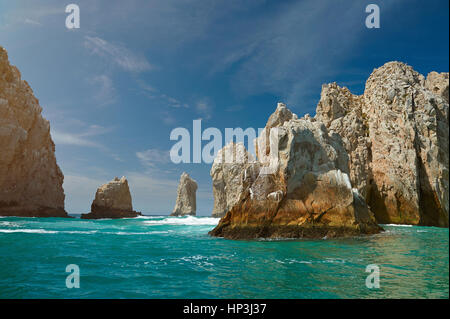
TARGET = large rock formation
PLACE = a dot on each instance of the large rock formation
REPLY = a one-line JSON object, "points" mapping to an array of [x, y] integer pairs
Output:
{"points": [[298, 187], [396, 135], [112, 200], [186, 199], [30, 179], [227, 174]]}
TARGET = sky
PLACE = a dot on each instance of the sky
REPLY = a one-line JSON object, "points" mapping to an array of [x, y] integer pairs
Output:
{"points": [[114, 89]]}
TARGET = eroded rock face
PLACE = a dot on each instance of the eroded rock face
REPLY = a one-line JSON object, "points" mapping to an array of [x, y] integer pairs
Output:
{"points": [[186, 203], [30, 179], [339, 103], [307, 191], [396, 135], [228, 173], [112, 200]]}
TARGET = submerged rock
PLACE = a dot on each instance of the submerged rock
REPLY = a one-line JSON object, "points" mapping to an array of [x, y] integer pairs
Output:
{"points": [[30, 179], [299, 186], [112, 200], [186, 197], [396, 135]]}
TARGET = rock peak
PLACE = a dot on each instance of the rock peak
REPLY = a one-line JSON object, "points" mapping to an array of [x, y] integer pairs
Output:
{"points": [[186, 203], [281, 115], [399, 125]]}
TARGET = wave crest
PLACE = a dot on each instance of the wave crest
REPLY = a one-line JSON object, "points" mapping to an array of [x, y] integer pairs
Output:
{"points": [[189, 220]]}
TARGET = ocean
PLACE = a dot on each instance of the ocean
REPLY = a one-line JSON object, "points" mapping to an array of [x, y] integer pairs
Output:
{"points": [[174, 257]]}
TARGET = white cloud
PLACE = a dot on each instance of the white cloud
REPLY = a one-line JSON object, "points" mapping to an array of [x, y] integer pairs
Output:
{"points": [[152, 157], [62, 138], [168, 119], [119, 54], [83, 138], [106, 93], [204, 107], [153, 93], [32, 22]]}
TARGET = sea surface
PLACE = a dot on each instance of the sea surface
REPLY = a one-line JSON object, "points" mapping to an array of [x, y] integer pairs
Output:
{"points": [[174, 257]]}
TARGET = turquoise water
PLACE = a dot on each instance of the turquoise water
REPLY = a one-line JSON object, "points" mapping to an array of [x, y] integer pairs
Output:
{"points": [[170, 257]]}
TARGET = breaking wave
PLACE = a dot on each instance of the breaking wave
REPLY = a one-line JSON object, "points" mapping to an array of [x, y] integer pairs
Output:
{"points": [[190, 221], [398, 225], [30, 231]]}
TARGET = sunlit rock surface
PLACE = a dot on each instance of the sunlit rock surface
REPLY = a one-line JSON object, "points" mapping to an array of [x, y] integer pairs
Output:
{"points": [[112, 200], [304, 191], [30, 179], [186, 203], [396, 135]]}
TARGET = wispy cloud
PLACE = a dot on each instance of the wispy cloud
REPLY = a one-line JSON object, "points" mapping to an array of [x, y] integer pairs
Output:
{"points": [[32, 22], [153, 93], [153, 157], [118, 54], [168, 118], [63, 138], [83, 138], [105, 94], [204, 108]]}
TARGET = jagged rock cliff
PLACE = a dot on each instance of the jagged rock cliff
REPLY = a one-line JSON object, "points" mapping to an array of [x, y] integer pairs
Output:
{"points": [[30, 179], [396, 135], [227, 173], [299, 187], [112, 200], [186, 203], [379, 157]]}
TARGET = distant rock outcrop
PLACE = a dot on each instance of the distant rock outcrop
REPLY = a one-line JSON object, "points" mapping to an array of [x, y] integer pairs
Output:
{"points": [[186, 203], [301, 190], [112, 200], [30, 179], [397, 137]]}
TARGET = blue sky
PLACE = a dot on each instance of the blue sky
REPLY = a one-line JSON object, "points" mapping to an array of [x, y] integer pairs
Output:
{"points": [[115, 88]]}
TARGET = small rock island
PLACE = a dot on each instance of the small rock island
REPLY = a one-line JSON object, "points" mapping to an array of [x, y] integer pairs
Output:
{"points": [[186, 203], [112, 200]]}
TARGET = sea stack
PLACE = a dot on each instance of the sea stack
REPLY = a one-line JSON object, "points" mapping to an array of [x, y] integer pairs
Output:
{"points": [[112, 200], [30, 179], [396, 135], [298, 187], [186, 203]]}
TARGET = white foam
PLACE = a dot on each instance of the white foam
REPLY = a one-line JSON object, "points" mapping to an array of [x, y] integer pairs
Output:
{"points": [[136, 233], [399, 225], [190, 221], [78, 231], [149, 217], [30, 231], [44, 231], [9, 224]]}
